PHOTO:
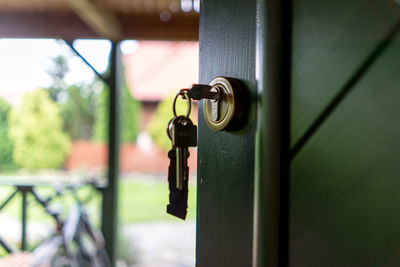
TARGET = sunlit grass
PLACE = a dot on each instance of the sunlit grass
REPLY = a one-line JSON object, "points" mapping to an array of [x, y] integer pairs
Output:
{"points": [[142, 201], [139, 201]]}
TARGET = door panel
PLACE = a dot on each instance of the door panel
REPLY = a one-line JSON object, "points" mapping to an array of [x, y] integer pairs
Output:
{"points": [[226, 159], [345, 182], [331, 40]]}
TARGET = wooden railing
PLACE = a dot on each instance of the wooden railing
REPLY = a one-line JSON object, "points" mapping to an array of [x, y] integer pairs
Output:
{"points": [[60, 191]]}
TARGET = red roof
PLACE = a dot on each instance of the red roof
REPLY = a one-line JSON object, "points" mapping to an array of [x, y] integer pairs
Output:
{"points": [[157, 69], [13, 97]]}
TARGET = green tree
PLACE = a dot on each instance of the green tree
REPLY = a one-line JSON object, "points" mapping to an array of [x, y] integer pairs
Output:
{"points": [[77, 101], [36, 129], [57, 71], [100, 128], [158, 124], [6, 145], [78, 111], [130, 109]]}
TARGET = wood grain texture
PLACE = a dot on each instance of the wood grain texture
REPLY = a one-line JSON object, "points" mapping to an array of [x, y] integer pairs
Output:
{"points": [[226, 159], [97, 17], [118, 6], [331, 39], [32, 5], [345, 182], [68, 25]]}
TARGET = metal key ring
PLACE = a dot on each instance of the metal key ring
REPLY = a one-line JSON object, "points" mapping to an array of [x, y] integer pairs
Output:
{"points": [[184, 94], [169, 127]]}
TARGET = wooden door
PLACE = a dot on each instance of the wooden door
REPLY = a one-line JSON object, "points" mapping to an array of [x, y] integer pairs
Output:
{"points": [[345, 128], [226, 159], [313, 179]]}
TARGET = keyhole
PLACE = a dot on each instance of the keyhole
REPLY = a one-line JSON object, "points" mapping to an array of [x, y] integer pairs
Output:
{"points": [[225, 112], [216, 105]]}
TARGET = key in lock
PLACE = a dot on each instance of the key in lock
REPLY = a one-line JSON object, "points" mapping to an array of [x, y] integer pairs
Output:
{"points": [[227, 111], [224, 105]]}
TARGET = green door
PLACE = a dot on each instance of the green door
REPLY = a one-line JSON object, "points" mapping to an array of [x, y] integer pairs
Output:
{"points": [[313, 178], [345, 128], [226, 159]]}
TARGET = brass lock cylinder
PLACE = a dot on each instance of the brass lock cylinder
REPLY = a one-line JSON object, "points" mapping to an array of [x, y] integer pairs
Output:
{"points": [[225, 113]]}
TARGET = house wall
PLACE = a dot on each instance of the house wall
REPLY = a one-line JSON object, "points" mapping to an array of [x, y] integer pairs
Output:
{"points": [[87, 155]]}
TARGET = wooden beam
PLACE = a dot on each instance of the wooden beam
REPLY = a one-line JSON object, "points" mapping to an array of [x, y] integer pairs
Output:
{"points": [[63, 25], [184, 26], [97, 17], [67, 25]]}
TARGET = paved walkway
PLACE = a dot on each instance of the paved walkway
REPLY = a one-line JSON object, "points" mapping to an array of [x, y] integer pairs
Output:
{"points": [[153, 244], [10, 229], [166, 244]]}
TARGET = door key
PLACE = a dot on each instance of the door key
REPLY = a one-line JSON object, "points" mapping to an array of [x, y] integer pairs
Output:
{"points": [[183, 134]]}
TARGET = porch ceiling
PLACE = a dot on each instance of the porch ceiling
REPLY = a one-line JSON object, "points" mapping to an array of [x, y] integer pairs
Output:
{"points": [[111, 19]]}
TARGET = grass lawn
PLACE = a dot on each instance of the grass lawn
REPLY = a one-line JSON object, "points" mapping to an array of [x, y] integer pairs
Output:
{"points": [[147, 201], [139, 201]]}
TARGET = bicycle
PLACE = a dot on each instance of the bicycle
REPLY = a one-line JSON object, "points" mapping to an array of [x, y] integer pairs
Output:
{"points": [[76, 243]]}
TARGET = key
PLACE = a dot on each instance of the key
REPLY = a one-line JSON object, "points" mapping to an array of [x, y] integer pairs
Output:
{"points": [[177, 198], [203, 91], [184, 135]]}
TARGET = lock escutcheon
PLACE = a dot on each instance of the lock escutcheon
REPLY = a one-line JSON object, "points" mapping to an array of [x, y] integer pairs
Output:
{"points": [[226, 112]]}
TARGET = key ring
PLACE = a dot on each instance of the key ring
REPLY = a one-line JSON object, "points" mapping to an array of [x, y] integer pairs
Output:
{"points": [[184, 94], [169, 127]]}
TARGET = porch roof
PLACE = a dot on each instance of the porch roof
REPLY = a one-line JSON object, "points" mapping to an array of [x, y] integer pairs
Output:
{"points": [[115, 20]]}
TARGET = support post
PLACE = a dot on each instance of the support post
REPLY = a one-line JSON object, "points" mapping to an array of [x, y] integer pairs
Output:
{"points": [[273, 55], [110, 193], [24, 191]]}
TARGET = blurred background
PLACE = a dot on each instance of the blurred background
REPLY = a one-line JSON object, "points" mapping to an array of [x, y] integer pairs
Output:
{"points": [[53, 111]]}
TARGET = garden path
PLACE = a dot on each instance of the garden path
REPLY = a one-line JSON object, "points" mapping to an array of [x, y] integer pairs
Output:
{"points": [[153, 244], [163, 243]]}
